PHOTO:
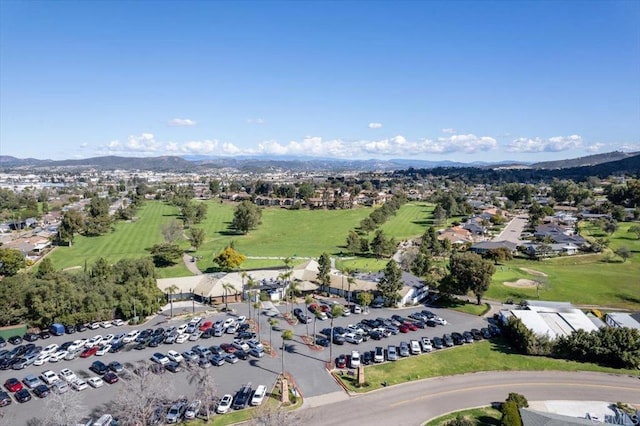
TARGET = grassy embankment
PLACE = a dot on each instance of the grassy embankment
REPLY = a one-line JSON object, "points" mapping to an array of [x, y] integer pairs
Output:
{"points": [[483, 416], [494, 355]]}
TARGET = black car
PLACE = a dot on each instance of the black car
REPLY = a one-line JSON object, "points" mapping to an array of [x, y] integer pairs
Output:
{"points": [[458, 339], [30, 337], [304, 319], [5, 399], [41, 391], [326, 332], [3, 342], [437, 343], [431, 323], [367, 357], [99, 368], [467, 337], [246, 335], [44, 334], [485, 333], [447, 339], [65, 346], [494, 330], [297, 312], [244, 327], [156, 340], [81, 327], [4, 353], [241, 354], [110, 377], [23, 395], [173, 366], [69, 329], [15, 340], [207, 334], [376, 335], [477, 335], [241, 399], [322, 341], [338, 340]]}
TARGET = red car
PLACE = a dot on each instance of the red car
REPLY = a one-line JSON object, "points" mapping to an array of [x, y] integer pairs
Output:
{"points": [[313, 307], [411, 326], [228, 348], [206, 325], [325, 308], [341, 361], [89, 352], [403, 328], [110, 377], [13, 385]]}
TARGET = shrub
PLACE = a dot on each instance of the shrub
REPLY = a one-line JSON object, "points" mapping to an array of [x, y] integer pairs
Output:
{"points": [[510, 414]]}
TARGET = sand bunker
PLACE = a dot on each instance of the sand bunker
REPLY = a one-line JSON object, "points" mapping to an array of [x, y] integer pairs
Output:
{"points": [[533, 272], [522, 283]]}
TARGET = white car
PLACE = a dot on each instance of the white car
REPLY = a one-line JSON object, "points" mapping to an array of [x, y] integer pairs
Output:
{"points": [[182, 328], [106, 324], [355, 338], [78, 384], [93, 325], [258, 395], [58, 356], [440, 321], [195, 335], [117, 322], [48, 350], [241, 319], [95, 382], [182, 338], [41, 359], [225, 404], [355, 359], [103, 350], [94, 341], [68, 375], [160, 358], [228, 322], [241, 345], [77, 345], [131, 336], [175, 356], [49, 377], [108, 339], [354, 329], [192, 409]]}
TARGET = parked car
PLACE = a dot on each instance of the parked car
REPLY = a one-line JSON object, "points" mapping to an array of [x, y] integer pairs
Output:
{"points": [[86, 353], [41, 391], [99, 367], [22, 395], [403, 349], [414, 347], [241, 399], [258, 395], [96, 382], [341, 361], [457, 338], [392, 353], [355, 359], [160, 358], [172, 366], [378, 355], [49, 377], [426, 345], [13, 384], [225, 404], [78, 384], [176, 411], [5, 399], [110, 377], [192, 409], [116, 367], [437, 343], [447, 339]]}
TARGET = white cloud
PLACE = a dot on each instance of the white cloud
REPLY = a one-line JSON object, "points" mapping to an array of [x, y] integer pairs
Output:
{"points": [[256, 120], [595, 147], [83, 145], [630, 147], [449, 130], [309, 146], [554, 144], [375, 125], [181, 122], [444, 145]]}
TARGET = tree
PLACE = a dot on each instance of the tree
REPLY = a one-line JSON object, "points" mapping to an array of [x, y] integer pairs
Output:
{"points": [[206, 389], [227, 288], [439, 215], [45, 269], [381, 245], [624, 252], [364, 299], [499, 254], [353, 242], [64, 408], [246, 217], [610, 226], [635, 229], [470, 272], [336, 311], [11, 261], [172, 231], [165, 254], [422, 263], [519, 399], [196, 237], [460, 420], [390, 284], [286, 335], [324, 268], [510, 414], [229, 259], [171, 290], [72, 222]]}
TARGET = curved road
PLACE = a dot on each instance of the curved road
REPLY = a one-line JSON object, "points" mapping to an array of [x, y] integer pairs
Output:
{"points": [[414, 403]]}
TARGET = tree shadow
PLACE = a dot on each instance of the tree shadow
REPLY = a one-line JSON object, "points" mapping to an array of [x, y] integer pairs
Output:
{"points": [[628, 298], [486, 420], [255, 363]]}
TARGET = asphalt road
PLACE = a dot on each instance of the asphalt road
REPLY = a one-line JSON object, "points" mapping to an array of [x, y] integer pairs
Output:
{"points": [[513, 229], [416, 402]]}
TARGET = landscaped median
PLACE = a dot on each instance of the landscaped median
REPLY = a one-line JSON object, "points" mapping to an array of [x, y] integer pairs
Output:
{"points": [[494, 355], [481, 415]]}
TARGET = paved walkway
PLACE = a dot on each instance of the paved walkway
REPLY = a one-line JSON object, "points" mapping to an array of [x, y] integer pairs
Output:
{"points": [[191, 266]]}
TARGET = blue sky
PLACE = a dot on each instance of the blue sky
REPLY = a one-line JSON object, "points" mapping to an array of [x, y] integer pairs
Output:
{"points": [[464, 81]]}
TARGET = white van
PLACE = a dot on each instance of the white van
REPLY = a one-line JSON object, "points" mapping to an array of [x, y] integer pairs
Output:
{"points": [[104, 420], [258, 395], [414, 347]]}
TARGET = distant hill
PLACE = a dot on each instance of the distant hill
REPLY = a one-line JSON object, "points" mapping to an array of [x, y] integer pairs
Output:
{"points": [[589, 160]]}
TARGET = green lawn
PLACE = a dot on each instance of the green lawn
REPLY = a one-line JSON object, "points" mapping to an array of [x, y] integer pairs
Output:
{"points": [[410, 221], [582, 279], [482, 416], [129, 240], [480, 356], [464, 306]]}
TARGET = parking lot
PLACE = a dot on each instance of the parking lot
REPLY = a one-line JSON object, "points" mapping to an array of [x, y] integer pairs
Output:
{"points": [[306, 365]]}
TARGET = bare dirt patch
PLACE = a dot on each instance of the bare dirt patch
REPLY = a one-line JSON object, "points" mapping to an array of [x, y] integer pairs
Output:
{"points": [[521, 283], [533, 272]]}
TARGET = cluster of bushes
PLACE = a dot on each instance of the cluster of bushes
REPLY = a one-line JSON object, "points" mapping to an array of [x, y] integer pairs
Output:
{"points": [[617, 347], [102, 292]]}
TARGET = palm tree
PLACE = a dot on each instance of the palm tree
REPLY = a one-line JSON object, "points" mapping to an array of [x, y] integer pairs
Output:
{"points": [[294, 289], [307, 301], [286, 335], [350, 281], [256, 312], [251, 285], [227, 287], [171, 290], [272, 323], [336, 311]]}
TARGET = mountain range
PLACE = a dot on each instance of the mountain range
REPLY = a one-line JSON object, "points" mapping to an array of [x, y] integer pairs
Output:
{"points": [[194, 163]]}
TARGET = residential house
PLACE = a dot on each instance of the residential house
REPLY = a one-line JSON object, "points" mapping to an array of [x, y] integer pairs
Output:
{"points": [[486, 246]]}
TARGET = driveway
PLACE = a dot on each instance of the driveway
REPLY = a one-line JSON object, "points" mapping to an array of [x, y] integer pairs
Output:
{"points": [[513, 230]]}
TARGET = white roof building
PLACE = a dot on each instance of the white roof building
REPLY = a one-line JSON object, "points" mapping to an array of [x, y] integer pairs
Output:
{"points": [[551, 319]]}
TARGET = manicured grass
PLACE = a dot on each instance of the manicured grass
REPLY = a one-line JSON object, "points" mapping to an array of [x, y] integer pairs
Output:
{"points": [[128, 240], [480, 356], [464, 306], [410, 221], [482, 416], [362, 263]]}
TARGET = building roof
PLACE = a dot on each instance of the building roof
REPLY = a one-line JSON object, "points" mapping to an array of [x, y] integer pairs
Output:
{"points": [[623, 319], [540, 418], [552, 318]]}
